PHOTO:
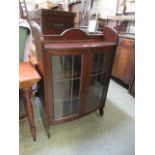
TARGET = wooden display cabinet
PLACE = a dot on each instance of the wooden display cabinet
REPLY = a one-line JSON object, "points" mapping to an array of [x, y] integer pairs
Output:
{"points": [[76, 70]]}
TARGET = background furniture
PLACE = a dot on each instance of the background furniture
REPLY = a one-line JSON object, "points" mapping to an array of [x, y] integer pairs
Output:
{"points": [[76, 70], [23, 35], [132, 87], [23, 9], [28, 76], [124, 64], [52, 21], [122, 23], [83, 9], [125, 7]]}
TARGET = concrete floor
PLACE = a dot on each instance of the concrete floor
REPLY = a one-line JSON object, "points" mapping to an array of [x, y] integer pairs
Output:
{"points": [[112, 134]]}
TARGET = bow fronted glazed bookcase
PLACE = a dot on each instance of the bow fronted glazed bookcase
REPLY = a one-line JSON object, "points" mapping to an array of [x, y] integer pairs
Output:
{"points": [[76, 69]]}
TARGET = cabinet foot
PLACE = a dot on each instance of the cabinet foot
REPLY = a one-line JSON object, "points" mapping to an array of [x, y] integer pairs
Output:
{"points": [[48, 133], [101, 111]]}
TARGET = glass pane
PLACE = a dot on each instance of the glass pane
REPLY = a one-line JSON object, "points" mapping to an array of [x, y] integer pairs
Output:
{"points": [[77, 66], [97, 81], [92, 101], [66, 85], [65, 108], [98, 61], [61, 66], [65, 66], [76, 88], [107, 61], [95, 84], [94, 65], [62, 89]]}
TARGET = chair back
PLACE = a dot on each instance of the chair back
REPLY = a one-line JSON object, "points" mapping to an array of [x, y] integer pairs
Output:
{"points": [[23, 34]]}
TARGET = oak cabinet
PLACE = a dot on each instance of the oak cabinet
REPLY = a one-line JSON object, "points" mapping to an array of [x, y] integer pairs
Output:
{"points": [[75, 74]]}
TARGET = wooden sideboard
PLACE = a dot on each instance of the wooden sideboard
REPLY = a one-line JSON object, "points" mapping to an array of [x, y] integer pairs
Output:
{"points": [[76, 70], [52, 21], [124, 64]]}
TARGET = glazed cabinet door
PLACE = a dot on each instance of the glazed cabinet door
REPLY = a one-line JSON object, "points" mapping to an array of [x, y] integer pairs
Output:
{"points": [[66, 81], [98, 79]]}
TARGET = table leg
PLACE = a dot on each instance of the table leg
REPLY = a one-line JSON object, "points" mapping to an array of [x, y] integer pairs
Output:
{"points": [[27, 94]]}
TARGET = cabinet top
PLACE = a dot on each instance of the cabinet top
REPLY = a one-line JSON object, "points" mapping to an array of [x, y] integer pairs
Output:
{"points": [[73, 35], [77, 45]]}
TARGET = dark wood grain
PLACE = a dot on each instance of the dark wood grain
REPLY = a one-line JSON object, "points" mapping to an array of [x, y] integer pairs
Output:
{"points": [[87, 63]]}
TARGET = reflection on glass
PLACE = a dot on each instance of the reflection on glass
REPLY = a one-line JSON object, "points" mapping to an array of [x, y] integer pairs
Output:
{"points": [[95, 84], [65, 66], [66, 85], [65, 108], [76, 88], [93, 100], [66, 89], [77, 66], [61, 66], [94, 65], [62, 89], [98, 61], [97, 81]]}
